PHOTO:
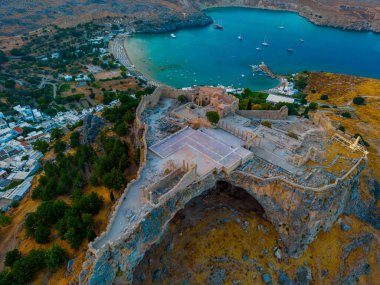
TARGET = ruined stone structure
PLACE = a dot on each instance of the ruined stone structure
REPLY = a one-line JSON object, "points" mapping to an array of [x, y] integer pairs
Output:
{"points": [[281, 114], [296, 208], [311, 154], [321, 119]]}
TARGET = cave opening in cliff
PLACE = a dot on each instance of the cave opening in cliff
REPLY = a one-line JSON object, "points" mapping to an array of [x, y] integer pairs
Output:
{"points": [[220, 231]]}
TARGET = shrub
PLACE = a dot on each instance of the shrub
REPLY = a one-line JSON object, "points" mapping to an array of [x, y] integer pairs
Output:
{"points": [[213, 117], [362, 140], [4, 220], [182, 99], [292, 135], [341, 128], [358, 100], [267, 124], [346, 115], [324, 97], [313, 106]]}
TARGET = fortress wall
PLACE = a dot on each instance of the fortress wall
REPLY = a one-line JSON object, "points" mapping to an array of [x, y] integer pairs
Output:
{"points": [[175, 93], [281, 114], [140, 128]]}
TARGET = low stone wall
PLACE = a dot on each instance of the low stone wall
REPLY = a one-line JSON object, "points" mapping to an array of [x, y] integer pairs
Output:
{"points": [[281, 114]]}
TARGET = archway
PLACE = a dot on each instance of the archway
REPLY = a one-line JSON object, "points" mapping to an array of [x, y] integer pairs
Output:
{"points": [[212, 238]]}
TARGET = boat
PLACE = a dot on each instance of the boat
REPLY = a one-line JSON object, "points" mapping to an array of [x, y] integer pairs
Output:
{"points": [[281, 27], [255, 68], [218, 26], [265, 43], [173, 36], [240, 37], [259, 49], [243, 75], [302, 40], [290, 50]]}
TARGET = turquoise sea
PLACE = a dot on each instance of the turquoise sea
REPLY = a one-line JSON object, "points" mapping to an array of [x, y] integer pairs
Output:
{"points": [[207, 56]]}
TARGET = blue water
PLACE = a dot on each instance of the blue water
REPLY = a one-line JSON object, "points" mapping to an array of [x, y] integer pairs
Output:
{"points": [[206, 56]]}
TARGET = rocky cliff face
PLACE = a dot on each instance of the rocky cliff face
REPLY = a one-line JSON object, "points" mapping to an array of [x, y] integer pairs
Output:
{"points": [[297, 215]]}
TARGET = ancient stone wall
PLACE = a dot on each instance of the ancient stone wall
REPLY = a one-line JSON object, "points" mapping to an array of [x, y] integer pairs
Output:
{"points": [[281, 114], [321, 119], [185, 181]]}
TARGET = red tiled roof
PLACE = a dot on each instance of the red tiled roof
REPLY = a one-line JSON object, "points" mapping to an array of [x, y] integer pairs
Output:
{"points": [[18, 129], [24, 143]]}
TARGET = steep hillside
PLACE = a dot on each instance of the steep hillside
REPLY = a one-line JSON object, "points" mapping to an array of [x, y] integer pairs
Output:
{"points": [[17, 17]]}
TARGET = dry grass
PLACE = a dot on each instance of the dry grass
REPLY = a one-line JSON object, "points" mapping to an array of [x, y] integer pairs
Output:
{"points": [[342, 89]]}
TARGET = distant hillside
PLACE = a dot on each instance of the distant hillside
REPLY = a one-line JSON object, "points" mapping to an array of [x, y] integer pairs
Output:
{"points": [[20, 16]]}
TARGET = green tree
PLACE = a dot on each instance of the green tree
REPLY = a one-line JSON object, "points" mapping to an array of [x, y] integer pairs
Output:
{"points": [[9, 83], [55, 257], [75, 139], [25, 268], [59, 146], [213, 117], [324, 97], [17, 52], [42, 234], [182, 99], [3, 57], [346, 115], [12, 256], [114, 179], [358, 100], [41, 146], [56, 133]]}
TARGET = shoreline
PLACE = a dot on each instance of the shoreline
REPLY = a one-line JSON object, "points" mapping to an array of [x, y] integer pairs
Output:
{"points": [[149, 79], [299, 12]]}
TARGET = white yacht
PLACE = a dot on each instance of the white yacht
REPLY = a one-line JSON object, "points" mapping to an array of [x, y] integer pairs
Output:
{"points": [[173, 36], [265, 42]]}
